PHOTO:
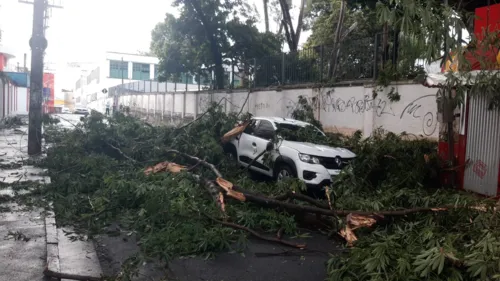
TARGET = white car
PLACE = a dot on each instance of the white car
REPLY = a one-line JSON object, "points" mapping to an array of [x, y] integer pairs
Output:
{"points": [[312, 163], [81, 111], [65, 110]]}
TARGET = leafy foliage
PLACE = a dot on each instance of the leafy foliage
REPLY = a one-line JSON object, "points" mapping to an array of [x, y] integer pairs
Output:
{"points": [[97, 172], [209, 34]]}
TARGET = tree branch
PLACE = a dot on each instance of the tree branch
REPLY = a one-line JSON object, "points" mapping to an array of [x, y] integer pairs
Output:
{"points": [[301, 197], [121, 152], [257, 235], [254, 160], [245, 103], [300, 23], [198, 160]]}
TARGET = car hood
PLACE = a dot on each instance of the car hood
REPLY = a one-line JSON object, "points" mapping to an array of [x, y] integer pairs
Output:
{"points": [[319, 150]]}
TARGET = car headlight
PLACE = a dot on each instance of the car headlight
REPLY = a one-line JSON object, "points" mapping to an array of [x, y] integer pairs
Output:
{"points": [[338, 161], [308, 158]]}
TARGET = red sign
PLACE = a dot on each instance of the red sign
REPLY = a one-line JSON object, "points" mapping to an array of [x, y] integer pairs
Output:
{"points": [[480, 169], [48, 82]]}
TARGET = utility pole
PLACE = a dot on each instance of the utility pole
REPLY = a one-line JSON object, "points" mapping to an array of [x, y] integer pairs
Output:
{"points": [[38, 44]]}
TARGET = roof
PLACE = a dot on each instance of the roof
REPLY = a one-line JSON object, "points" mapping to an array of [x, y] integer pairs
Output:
{"points": [[282, 120], [438, 80]]}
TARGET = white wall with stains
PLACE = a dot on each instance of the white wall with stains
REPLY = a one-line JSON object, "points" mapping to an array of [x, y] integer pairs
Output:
{"points": [[340, 109]]}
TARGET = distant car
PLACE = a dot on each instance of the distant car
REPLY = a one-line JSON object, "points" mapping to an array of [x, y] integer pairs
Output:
{"points": [[65, 110], [81, 110]]}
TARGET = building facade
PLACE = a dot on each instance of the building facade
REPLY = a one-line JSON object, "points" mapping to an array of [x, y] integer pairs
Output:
{"points": [[112, 70], [122, 70], [12, 86]]}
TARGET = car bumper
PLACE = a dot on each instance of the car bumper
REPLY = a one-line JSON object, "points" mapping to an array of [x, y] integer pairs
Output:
{"points": [[314, 175]]}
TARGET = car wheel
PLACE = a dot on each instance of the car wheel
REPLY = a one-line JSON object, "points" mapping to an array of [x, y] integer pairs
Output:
{"points": [[231, 153], [284, 172]]}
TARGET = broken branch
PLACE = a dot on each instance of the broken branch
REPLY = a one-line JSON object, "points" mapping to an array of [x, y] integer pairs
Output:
{"points": [[257, 235], [198, 160], [121, 152]]}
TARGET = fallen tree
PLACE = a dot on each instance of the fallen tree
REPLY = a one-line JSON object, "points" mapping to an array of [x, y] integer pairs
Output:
{"points": [[182, 195]]}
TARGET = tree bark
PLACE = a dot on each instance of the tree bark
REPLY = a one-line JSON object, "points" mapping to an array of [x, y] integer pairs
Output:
{"points": [[300, 22], [288, 25], [266, 15], [214, 47], [336, 47]]}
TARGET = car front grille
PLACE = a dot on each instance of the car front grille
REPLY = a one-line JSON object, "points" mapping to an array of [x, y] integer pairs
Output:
{"points": [[331, 163]]}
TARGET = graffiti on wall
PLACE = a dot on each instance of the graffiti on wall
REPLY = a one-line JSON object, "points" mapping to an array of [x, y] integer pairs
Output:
{"points": [[330, 103], [204, 102]]}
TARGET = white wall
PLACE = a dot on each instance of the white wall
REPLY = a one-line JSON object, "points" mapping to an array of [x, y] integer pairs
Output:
{"points": [[22, 101], [340, 109]]}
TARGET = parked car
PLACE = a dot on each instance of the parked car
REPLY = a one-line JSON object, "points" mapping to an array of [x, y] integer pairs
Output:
{"points": [[65, 110], [314, 164], [81, 110]]}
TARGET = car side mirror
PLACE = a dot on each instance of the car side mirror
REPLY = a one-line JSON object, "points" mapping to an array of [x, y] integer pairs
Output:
{"points": [[269, 146]]}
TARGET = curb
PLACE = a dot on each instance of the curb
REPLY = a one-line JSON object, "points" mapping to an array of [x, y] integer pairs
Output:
{"points": [[52, 242], [79, 269]]}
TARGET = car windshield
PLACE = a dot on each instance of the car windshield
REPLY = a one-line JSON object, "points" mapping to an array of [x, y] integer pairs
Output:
{"points": [[298, 133]]}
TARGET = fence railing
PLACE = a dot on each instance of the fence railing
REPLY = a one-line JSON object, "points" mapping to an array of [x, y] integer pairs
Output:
{"points": [[359, 58], [355, 60]]}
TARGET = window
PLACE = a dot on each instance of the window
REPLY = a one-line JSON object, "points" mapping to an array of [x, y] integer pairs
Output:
{"points": [[118, 69], [251, 127], [294, 132], [265, 130], [140, 71]]}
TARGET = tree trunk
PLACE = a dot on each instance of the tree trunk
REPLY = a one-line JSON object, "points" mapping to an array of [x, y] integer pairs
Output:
{"points": [[266, 15], [336, 46], [300, 22], [214, 47], [288, 25]]}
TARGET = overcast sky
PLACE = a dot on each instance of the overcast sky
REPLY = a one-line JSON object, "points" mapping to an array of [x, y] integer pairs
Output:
{"points": [[85, 29]]}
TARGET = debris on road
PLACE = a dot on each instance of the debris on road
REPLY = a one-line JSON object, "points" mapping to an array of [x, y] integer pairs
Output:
{"points": [[182, 196]]}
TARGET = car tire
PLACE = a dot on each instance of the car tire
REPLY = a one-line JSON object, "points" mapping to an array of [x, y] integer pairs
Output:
{"points": [[283, 172], [231, 153]]}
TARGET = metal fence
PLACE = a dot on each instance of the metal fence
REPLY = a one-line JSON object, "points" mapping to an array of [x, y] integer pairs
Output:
{"points": [[356, 60]]}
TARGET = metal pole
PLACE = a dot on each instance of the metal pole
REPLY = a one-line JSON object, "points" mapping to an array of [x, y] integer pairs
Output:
{"points": [[283, 68], [321, 63], [199, 80], [38, 44], [451, 133], [375, 58], [232, 74], [254, 73]]}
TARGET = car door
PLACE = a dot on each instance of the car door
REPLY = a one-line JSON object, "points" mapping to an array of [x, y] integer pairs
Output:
{"points": [[263, 133], [245, 149]]}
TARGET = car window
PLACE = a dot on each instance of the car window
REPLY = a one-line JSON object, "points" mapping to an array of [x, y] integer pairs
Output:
{"points": [[251, 127], [293, 132], [265, 130]]}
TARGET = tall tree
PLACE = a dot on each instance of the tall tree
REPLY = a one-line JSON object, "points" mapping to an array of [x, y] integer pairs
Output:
{"points": [[210, 34], [266, 14], [292, 34]]}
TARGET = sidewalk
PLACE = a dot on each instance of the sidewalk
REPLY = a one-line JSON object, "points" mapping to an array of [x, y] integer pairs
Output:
{"points": [[23, 247], [30, 240]]}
